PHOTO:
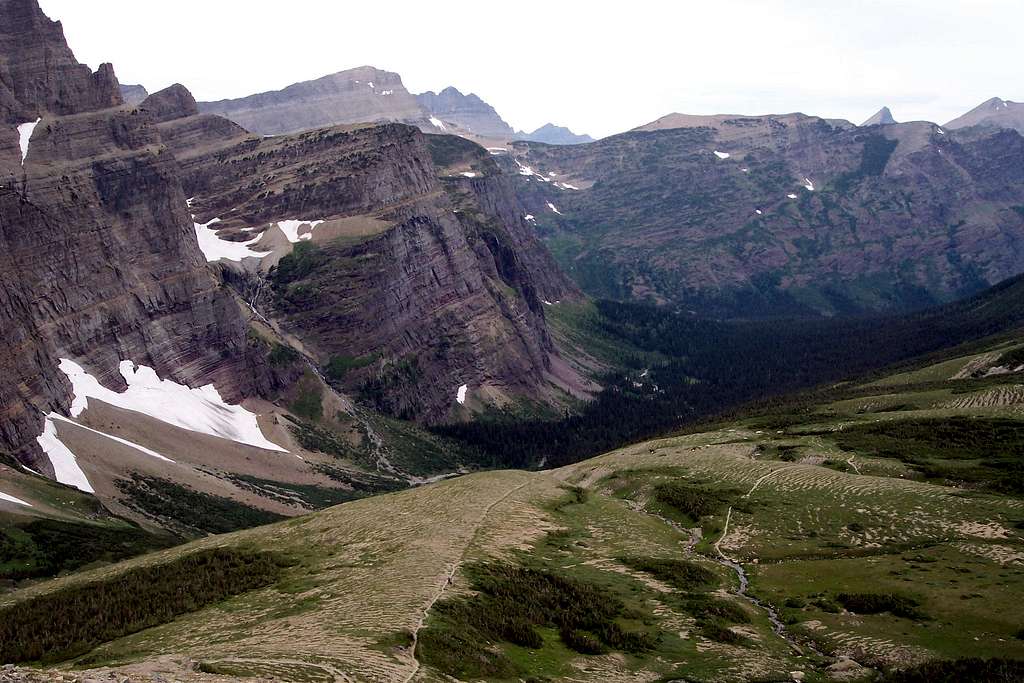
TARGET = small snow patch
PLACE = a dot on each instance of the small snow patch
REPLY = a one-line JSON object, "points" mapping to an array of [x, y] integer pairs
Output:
{"points": [[197, 410], [722, 155], [758, 212], [529, 217], [215, 249], [25, 135], [940, 131], [461, 395], [469, 174], [370, 83], [554, 208], [64, 462], [437, 123], [745, 170], [546, 302], [567, 186], [808, 185], [387, 92], [291, 230], [12, 499], [791, 196]]}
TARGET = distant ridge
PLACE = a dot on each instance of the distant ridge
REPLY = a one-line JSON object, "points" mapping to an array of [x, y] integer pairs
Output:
{"points": [[361, 95], [993, 113], [554, 135]]}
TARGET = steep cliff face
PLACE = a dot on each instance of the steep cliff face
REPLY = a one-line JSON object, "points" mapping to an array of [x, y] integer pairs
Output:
{"points": [[793, 214], [354, 96], [99, 261], [423, 276], [468, 112], [38, 72], [38, 76]]}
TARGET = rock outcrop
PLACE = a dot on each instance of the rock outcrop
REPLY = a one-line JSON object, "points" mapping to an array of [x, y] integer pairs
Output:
{"points": [[360, 95], [783, 215], [470, 113]]}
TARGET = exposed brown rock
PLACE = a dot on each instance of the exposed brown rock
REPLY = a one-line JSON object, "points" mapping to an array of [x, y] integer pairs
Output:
{"points": [[803, 216], [446, 291], [170, 103], [98, 257], [38, 72]]}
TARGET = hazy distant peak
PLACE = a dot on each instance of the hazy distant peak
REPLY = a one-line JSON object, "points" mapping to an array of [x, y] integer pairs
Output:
{"points": [[554, 135], [995, 112], [883, 117]]}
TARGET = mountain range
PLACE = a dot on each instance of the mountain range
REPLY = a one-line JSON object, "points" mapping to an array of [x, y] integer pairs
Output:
{"points": [[368, 94], [158, 246], [781, 215], [758, 376]]}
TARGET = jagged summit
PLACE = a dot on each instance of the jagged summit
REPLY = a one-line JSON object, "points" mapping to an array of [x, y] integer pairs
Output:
{"points": [[883, 117], [38, 72], [467, 112]]}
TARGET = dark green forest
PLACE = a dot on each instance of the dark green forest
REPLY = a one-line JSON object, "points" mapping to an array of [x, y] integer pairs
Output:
{"points": [[714, 366], [71, 621]]}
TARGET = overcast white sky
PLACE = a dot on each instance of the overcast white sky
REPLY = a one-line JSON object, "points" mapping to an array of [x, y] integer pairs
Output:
{"points": [[598, 67]]}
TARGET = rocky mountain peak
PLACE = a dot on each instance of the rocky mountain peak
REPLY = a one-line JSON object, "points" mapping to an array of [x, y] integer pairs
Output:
{"points": [[468, 112], [38, 72], [995, 112], [883, 117], [173, 102], [360, 95]]}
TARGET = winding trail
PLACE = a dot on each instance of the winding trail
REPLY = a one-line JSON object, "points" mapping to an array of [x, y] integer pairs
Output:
{"points": [[450, 578], [773, 616]]}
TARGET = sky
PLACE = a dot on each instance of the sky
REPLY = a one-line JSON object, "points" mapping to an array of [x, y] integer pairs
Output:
{"points": [[597, 67]]}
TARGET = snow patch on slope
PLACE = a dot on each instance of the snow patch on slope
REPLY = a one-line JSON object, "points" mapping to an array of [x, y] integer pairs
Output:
{"points": [[554, 208], [722, 155], [461, 395], [196, 410], [25, 136], [12, 499], [437, 123], [291, 230], [123, 442], [215, 249], [65, 464], [808, 185]]}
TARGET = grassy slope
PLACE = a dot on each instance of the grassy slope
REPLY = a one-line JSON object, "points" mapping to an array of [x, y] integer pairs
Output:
{"points": [[808, 532]]}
